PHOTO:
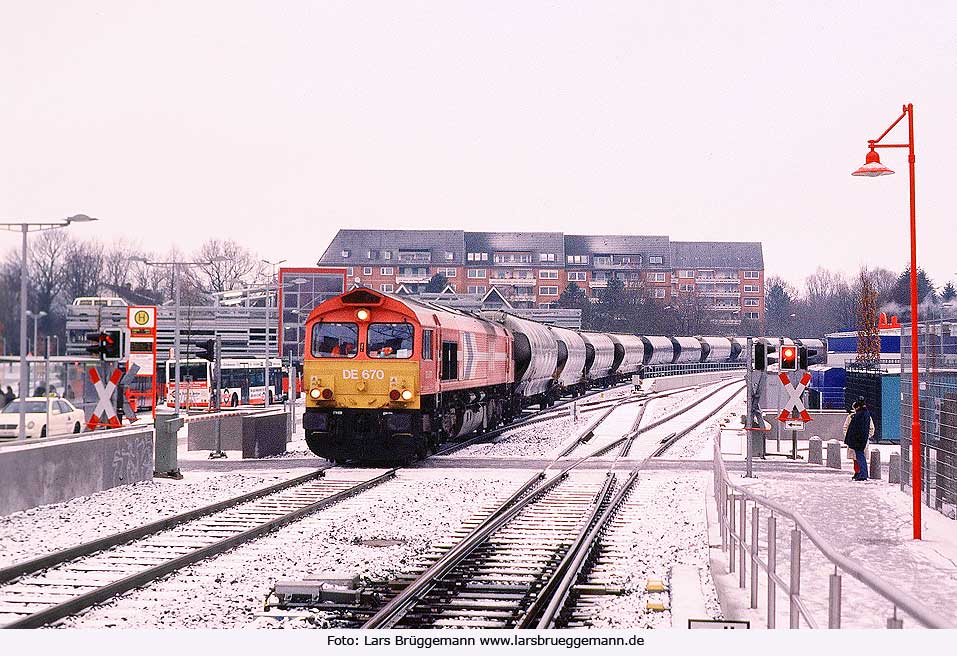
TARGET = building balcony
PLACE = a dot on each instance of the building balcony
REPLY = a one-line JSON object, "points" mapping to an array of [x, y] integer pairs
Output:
{"points": [[717, 281], [596, 284], [727, 322], [418, 257], [618, 266], [531, 280], [721, 293], [522, 297], [412, 279]]}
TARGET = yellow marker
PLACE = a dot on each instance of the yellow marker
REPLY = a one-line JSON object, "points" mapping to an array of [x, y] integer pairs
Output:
{"points": [[654, 585], [655, 605]]}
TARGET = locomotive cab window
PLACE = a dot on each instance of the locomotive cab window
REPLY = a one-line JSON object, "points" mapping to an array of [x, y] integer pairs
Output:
{"points": [[390, 340], [426, 344], [450, 360], [334, 340]]}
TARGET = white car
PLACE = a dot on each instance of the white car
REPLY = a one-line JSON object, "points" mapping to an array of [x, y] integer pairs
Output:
{"points": [[64, 418]]}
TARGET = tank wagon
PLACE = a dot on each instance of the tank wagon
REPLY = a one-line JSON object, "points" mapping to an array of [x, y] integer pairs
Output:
{"points": [[389, 378]]}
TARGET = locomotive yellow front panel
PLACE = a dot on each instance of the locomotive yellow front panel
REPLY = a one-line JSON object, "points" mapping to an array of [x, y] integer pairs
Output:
{"points": [[362, 384]]}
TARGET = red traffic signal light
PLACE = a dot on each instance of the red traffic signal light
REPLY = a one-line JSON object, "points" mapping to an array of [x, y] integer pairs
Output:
{"points": [[789, 358]]}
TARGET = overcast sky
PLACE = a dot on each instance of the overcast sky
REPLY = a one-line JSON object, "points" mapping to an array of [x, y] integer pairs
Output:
{"points": [[276, 123]]}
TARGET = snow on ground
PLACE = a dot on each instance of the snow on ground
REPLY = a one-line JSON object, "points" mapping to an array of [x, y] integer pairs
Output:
{"points": [[37, 531], [415, 510], [533, 441], [662, 524], [871, 523]]}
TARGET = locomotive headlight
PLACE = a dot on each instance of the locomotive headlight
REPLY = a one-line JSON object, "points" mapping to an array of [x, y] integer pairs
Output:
{"points": [[362, 314], [315, 393], [406, 395]]}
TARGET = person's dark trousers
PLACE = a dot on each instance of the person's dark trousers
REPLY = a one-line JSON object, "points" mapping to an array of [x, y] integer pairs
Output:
{"points": [[861, 460]]}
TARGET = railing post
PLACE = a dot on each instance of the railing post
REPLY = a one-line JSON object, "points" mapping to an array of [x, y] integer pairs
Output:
{"points": [[731, 499], [894, 622], [834, 601], [723, 515], [795, 585], [772, 569], [742, 573], [754, 556]]}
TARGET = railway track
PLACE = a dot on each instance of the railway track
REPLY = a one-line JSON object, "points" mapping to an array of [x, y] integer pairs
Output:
{"points": [[518, 566], [47, 589]]}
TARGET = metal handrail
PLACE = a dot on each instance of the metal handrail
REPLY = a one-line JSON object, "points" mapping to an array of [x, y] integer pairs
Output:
{"points": [[733, 526]]}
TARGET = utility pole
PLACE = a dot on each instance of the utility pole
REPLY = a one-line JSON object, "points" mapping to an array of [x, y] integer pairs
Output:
{"points": [[218, 399]]}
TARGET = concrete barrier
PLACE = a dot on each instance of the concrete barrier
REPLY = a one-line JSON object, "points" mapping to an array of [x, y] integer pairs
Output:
{"points": [[894, 469], [256, 434], [834, 454], [671, 382], [874, 467], [814, 451], [60, 469]]}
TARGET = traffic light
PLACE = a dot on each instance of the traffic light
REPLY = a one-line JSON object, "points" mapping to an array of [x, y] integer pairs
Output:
{"points": [[112, 344], [763, 357], [98, 345], [789, 357], [206, 350], [804, 356]]}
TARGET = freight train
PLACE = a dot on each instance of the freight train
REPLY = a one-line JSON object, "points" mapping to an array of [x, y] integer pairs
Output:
{"points": [[389, 378]]}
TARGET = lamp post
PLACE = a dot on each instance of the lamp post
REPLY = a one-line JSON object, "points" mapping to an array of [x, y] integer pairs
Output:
{"points": [[873, 168], [36, 316], [175, 266], [25, 227], [272, 273]]}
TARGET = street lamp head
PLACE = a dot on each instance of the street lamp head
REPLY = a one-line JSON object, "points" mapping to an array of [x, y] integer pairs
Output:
{"points": [[218, 258], [138, 258], [80, 218], [872, 166]]}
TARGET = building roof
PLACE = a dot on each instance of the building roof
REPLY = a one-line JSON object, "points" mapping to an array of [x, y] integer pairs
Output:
{"points": [[532, 242], [643, 245], [359, 242], [717, 255]]}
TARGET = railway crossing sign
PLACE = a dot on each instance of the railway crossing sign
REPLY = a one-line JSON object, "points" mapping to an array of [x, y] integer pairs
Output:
{"points": [[794, 409], [104, 405]]}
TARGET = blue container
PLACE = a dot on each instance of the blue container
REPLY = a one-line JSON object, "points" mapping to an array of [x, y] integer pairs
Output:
{"points": [[829, 383]]}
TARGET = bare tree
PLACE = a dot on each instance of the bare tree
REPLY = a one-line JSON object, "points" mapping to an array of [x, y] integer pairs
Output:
{"points": [[47, 255], [240, 264], [82, 269]]}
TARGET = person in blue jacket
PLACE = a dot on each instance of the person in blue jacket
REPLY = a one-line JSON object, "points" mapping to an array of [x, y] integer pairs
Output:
{"points": [[859, 428]]}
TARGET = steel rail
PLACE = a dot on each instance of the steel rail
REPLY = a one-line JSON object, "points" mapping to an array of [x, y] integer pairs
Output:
{"points": [[99, 595], [555, 594], [17, 570], [400, 605]]}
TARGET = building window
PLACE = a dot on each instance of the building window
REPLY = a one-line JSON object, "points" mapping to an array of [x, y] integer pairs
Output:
{"points": [[546, 257], [367, 271], [477, 257], [601, 260], [548, 274], [449, 256], [752, 275], [385, 271], [426, 344], [373, 255], [476, 273], [685, 288], [656, 277], [386, 255], [548, 291], [548, 306], [656, 259], [659, 292], [752, 289], [751, 302], [751, 315], [387, 287], [577, 276], [577, 259], [345, 253], [349, 272], [447, 272], [685, 273], [477, 289]]}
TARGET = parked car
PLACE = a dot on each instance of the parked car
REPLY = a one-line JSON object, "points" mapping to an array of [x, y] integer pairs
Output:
{"points": [[64, 417]]}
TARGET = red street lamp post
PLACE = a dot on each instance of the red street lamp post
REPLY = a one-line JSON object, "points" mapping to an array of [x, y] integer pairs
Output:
{"points": [[873, 168]]}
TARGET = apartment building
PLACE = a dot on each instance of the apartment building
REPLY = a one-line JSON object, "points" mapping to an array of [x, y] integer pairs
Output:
{"points": [[531, 269]]}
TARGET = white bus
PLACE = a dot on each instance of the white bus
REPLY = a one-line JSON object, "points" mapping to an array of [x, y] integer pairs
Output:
{"points": [[242, 381]]}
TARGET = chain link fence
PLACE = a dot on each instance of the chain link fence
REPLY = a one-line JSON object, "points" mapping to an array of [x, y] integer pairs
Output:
{"points": [[937, 380]]}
